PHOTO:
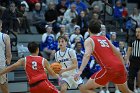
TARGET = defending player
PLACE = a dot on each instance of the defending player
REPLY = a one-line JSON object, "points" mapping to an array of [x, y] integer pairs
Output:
{"points": [[109, 59], [67, 58], [34, 66]]}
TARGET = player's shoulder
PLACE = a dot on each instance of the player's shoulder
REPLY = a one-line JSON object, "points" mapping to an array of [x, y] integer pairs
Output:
{"points": [[70, 50]]}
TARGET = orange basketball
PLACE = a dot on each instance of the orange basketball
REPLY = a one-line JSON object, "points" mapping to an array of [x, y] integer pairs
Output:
{"points": [[56, 67]]}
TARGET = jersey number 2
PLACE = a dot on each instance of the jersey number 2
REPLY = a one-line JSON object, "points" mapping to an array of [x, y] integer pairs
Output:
{"points": [[34, 65], [103, 43]]}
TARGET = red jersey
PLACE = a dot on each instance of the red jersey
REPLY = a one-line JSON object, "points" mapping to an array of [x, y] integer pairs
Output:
{"points": [[104, 54], [34, 69]]}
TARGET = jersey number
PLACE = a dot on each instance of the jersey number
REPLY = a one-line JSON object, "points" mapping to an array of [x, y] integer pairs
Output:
{"points": [[34, 65], [103, 43]]}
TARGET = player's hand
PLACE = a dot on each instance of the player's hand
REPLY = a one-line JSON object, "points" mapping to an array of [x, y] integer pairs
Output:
{"points": [[77, 76], [62, 70], [59, 80]]}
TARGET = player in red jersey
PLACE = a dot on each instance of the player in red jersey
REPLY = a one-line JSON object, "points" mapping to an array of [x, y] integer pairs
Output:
{"points": [[108, 57], [34, 66]]}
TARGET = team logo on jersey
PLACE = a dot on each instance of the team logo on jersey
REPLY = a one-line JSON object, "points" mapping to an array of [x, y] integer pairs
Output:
{"points": [[64, 60]]}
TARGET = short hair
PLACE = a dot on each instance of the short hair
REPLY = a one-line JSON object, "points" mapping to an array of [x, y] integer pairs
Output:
{"points": [[94, 26], [32, 47], [62, 37]]}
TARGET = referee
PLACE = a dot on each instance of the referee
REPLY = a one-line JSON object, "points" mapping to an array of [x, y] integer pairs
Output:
{"points": [[133, 59]]}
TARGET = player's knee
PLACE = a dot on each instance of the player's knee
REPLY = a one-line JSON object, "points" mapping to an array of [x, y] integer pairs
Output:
{"points": [[63, 89]]}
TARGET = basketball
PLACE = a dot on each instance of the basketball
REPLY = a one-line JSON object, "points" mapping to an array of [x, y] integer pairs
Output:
{"points": [[56, 67]]}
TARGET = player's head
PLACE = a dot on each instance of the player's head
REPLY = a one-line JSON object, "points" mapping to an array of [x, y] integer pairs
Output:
{"points": [[138, 33], [33, 47], [94, 27], [62, 40]]}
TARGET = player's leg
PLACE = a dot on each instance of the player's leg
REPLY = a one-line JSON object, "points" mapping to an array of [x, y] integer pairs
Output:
{"points": [[3, 84], [89, 87], [139, 81], [43, 87], [4, 88], [124, 88], [64, 87]]}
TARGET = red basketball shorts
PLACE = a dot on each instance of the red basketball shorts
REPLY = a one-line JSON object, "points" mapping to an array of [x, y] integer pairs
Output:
{"points": [[44, 87], [103, 76]]}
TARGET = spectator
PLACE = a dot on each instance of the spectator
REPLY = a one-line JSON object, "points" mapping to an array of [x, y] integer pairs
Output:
{"points": [[113, 38], [51, 16], [61, 32], [118, 9], [76, 39], [125, 11], [70, 14], [70, 26], [103, 31], [136, 16], [31, 3], [22, 14], [80, 6], [39, 19], [67, 36], [10, 20], [122, 49], [96, 11], [76, 34], [61, 8], [48, 45], [98, 3], [82, 21]]}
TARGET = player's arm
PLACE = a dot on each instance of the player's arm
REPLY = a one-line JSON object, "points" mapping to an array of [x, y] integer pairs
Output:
{"points": [[8, 48], [89, 47], [13, 66], [116, 52], [129, 51], [50, 71]]}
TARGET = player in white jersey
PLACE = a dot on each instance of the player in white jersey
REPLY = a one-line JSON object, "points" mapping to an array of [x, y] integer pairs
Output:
{"points": [[67, 58], [5, 58]]}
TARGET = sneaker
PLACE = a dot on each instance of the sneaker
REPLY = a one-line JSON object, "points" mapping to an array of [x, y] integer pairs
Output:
{"points": [[102, 91], [117, 91], [107, 91]]}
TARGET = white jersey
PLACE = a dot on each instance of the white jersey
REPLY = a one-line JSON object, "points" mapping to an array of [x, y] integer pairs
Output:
{"points": [[65, 59], [2, 51]]}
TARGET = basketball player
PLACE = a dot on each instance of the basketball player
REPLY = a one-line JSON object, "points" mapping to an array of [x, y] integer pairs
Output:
{"points": [[34, 66], [5, 58], [108, 58], [67, 58]]}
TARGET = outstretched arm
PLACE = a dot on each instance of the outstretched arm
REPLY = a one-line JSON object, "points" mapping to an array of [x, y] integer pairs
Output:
{"points": [[12, 67], [89, 47], [50, 71]]}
